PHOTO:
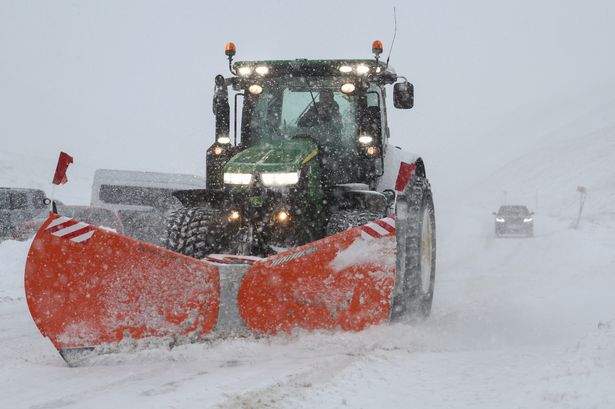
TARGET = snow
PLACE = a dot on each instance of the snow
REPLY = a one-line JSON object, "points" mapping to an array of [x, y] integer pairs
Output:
{"points": [[362, 250], [13, 257], [514, 104]]}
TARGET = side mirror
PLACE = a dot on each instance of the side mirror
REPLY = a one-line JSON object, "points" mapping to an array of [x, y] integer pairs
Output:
{"points": [[531, 213], [222, 110], [403, 95], [494, 213], [390, 196]]}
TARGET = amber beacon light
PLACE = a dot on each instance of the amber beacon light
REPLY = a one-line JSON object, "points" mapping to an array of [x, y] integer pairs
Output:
{"points": [[230, 49], [377, 48]]}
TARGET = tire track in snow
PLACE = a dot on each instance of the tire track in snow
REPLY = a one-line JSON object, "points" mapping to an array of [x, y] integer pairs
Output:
{"points": [[275, 395]]}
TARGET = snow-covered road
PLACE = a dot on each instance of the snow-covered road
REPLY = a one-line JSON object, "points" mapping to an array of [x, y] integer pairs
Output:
{"points": [[516, 323]]}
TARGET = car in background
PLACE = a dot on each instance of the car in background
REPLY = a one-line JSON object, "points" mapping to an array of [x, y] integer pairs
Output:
{"points": [[105, 218], [514, 219], [17, 206]]}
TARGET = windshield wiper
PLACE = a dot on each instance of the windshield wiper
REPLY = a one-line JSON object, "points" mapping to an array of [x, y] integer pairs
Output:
{"points": [[313, 100]]}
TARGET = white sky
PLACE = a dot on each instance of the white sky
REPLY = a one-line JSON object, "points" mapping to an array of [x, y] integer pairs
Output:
{"points": [[128, 84]]}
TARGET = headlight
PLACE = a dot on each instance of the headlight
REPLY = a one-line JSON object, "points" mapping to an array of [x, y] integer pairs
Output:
{"points": [[348, 88], [233, 216], [255, 89], [500, 219], [282, 216], [224, 140], [372, 150], [345, 69], [280, 179], [362, 69], [527, 220], [262, 70], [237, 178], [245, 71], [365, 139]]}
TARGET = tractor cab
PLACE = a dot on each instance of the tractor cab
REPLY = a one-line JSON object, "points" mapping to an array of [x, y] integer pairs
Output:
{"points": [[337, 105]]}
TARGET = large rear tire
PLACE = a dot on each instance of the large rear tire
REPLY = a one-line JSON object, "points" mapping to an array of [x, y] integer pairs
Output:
{"points": [[416, 254]]}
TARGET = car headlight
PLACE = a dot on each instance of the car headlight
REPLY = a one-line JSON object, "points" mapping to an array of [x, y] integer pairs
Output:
{"points": [[500, 219], [237, 178], [527, 220], [280, 179]]}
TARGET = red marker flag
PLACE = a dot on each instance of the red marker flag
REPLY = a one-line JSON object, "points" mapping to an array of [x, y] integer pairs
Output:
{"points": [[63, 161]]}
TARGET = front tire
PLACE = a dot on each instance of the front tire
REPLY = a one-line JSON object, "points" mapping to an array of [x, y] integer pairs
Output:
{"points": [[416, 260], [195, 232]]}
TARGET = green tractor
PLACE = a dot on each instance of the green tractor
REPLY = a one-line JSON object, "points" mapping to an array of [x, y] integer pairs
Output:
{"points": [[308, 156]]}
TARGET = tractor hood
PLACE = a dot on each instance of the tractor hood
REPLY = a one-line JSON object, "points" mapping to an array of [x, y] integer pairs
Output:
{"points": [[283, 156]]}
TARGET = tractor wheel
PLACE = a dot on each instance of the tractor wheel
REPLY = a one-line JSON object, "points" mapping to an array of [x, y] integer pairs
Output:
{"points": [[347, 219], [416, 254], [195, 232]]}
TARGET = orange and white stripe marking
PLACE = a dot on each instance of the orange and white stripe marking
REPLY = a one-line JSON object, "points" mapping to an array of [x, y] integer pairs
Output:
{"points": [[378, 228], [70, 229]]}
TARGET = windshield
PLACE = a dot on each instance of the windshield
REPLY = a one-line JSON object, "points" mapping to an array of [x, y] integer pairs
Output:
{"points": [[293, 107], [513, 210]]}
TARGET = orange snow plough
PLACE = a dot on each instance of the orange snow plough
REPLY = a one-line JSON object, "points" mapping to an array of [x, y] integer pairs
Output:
{"points": [[89, 288]]}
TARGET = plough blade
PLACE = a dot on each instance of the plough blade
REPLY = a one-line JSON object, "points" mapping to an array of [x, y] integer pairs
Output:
{"points": [[86, 286], [344, 281]]}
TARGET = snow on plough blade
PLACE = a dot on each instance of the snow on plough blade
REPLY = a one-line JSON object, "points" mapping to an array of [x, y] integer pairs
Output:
{"points": [[87, 287]]}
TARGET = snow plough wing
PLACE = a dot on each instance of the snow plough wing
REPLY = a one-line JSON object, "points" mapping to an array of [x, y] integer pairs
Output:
{"points": [[89, 289]]}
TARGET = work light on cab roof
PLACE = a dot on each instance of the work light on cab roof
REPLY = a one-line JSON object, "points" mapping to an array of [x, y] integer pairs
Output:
{"points": [[351, 67]]}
